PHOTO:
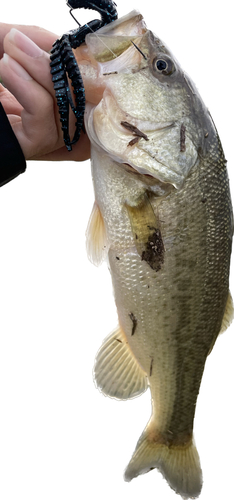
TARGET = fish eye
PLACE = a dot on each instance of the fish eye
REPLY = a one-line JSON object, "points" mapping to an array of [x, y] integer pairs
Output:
{"points": [[161, 65], [164, 65]]}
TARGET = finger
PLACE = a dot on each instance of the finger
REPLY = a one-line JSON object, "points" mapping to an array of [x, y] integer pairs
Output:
{"points": [[37, 131], [43, 38], [16, 79], [9, 102], [31, 57], [36, 63], [80, 152]]}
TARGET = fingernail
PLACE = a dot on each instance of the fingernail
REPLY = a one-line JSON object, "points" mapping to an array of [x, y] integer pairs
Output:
{"points": [[14, 66], [24, 43]]}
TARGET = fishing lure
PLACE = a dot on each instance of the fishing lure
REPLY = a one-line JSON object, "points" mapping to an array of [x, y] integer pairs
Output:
{"points": [[64, 66]]}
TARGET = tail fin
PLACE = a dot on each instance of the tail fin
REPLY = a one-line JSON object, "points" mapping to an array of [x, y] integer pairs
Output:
{"points": [[179, 464]]}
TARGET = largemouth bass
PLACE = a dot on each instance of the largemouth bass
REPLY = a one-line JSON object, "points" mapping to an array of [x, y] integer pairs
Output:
{"points": [[163, 217]]}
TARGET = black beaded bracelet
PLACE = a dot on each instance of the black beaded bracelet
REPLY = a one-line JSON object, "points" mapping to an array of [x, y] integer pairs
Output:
{"points": [[12, 161]]}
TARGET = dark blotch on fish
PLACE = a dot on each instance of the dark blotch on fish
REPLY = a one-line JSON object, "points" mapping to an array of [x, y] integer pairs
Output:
{"points": [[154, 253], [134, 322], [151, 367], [133, 141], [182, 138], [134, 130]]}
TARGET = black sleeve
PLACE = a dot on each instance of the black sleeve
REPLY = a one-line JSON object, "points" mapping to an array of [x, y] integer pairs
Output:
{"points": [[12, 161]]}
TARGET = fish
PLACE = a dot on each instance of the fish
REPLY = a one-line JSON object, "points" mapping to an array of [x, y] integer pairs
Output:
{"points": [[162, 218]]}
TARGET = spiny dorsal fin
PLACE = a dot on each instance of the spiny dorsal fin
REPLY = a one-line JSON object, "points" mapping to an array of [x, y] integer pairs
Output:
{"points": [[96, 239], [116, 371]]}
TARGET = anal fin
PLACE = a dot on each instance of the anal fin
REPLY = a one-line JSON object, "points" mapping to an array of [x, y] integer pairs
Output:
{"points": [[116, 371]]}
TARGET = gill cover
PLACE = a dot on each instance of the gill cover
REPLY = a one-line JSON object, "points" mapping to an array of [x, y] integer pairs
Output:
{"points": [[145, 88]]}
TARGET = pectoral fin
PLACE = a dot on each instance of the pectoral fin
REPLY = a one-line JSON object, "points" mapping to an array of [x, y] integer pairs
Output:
{"points": [[116, 371], [147, 233], [96, 239]]}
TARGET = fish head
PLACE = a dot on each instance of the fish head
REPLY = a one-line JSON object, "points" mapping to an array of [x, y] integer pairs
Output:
{"points": [[146, 112]]}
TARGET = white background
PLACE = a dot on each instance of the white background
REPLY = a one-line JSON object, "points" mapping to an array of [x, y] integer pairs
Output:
{"points": [[59, 437]]}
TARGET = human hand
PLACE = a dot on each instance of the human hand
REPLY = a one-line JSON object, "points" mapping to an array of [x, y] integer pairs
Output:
{"points": [[28, 97], [41, 37]]}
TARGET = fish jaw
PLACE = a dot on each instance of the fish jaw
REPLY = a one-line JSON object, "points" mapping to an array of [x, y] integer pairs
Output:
{"points": [[99, 56], [113, 39]]}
